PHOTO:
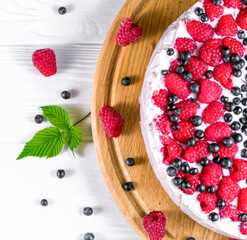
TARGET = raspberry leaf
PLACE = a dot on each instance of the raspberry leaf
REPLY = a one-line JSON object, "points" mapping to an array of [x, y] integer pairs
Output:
{"points": [[57, 116], [73, 137], [45, 143]]}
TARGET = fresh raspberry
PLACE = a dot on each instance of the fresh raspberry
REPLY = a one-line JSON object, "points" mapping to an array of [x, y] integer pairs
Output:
{"points": [[238, 171], [196, 153], [243, 228], [233, 4], [230, 211], [45, 61], [217, 132], [242, 19], [242, 200], [223, 73], [174, 64], [208, 202], [193, 179], [111, 121], [227, 26], [213, 112], [176, 85], [212, 10], [228, 189], [160, 99], [211, 174], [128, 32], [171, 151], [201, 32], [209, 91], [197, 67], [227, 151], [185, 44], [163, 124], [186, 131], [234, 45], [210, 52], [155, 223], [188, 109]]}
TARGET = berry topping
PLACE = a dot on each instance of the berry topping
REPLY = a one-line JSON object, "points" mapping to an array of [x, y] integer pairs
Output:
{"points": [[125, 81], [242, 19], [186, 131], [162, 124], [226, 26], [212, 10], [233, 4], [243, 228], [223, 73], [185, 44], [217, 132], [207, 202], [171, 150], [160, 98], [230, 211], [227, 151], [238, 172], [242, 203], [213, 112], [234, 45], [173, 66]]}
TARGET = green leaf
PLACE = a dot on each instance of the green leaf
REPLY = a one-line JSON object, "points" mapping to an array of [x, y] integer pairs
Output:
{"points": [[45, 143], [57, 116], [73, 137]]}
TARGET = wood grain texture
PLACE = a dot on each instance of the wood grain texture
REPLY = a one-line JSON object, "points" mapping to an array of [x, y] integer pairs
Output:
{"points": [[115, 63]]}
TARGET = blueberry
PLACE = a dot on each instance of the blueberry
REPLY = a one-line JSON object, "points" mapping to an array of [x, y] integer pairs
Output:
{"points": [[173, 98], [237, 65], [177, 163], [211, 189], [170, 51], [204, 162], [177, 181], [175, 126], [193, 171], [226, 51], [226, 163], [125, 81], [244, 88], [241, 34], [62, 10], [228, 141], [242, 63], [60, 173], [130, 162], [244, 129], [164, 72], [245, 41], [44, 202], [187, 76], [238, 110], [216, 2], [128, 186], [237, 73], [171, 107], [236, 100], [236, 91], [186, 185], [191, 142], [226, 59], [199, 134], [243, 120], [38, 118], [243, 217], [65, 95], [89, 236], [244, 153], [88, 211], [235, 126], [235, 57], [197, 121], [230, 106], [185, 56], [190, 238], [214, 148], [209, 74], [194, 87], [217, 160], [213, 216], [183, 62], [180, 69], [245, 112], [221, 203], [185, 168], [204, 17], [198, 11], [224, 99], [171, 171], [174, 118], [244, 101], [237, 137], [245, 143], [201, 188]]}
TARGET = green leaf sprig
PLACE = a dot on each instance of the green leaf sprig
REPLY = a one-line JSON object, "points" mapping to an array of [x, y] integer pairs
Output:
{"points": [[49, 141]]}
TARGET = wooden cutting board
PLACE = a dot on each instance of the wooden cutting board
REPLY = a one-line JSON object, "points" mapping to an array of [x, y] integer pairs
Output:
{"points": [[115, 63]]}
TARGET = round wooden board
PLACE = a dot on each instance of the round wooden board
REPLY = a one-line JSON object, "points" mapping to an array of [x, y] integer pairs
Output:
{"points": [[115, 63]]}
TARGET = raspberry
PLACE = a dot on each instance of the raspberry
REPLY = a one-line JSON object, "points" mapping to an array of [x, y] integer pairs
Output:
{"points": [[197, 67], [227, 151], [128, 32], [196, 153], [207, 202], [242, 19], [160, 99], [242, 200], [238, 172], [228, 189], [154, 223], [186, 131], [211, 174], [212, 11], [171, 151], [185, 44], [243, 228], [45, 61], [213, 112], [111, 121], [193, 179], [233, 4], [217, 132], [230, 211], [188, 109], [209, 91], [201, 32], [227, 26], [234, 45], [176, 85], [163, 124], [174, 64], [223, 73]]}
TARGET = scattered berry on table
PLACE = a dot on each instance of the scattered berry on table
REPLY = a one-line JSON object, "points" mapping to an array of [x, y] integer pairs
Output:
{"points": [[62, 10], [125, 81], [38, 118], [130, 162], [44, 202], [60, 173], [128, 186], [190, 238], [89, 236], [88, 211], [65, 95]]}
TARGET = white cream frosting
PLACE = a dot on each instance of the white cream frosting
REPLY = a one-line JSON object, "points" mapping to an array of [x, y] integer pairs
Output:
{"points": [[154, 81]]}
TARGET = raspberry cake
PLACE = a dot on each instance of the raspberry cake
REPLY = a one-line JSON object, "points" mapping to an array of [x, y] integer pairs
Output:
{"points": [[194, 114]]}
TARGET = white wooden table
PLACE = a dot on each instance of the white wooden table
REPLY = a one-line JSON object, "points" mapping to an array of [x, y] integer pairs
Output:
{"points": [[77, 38]]}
